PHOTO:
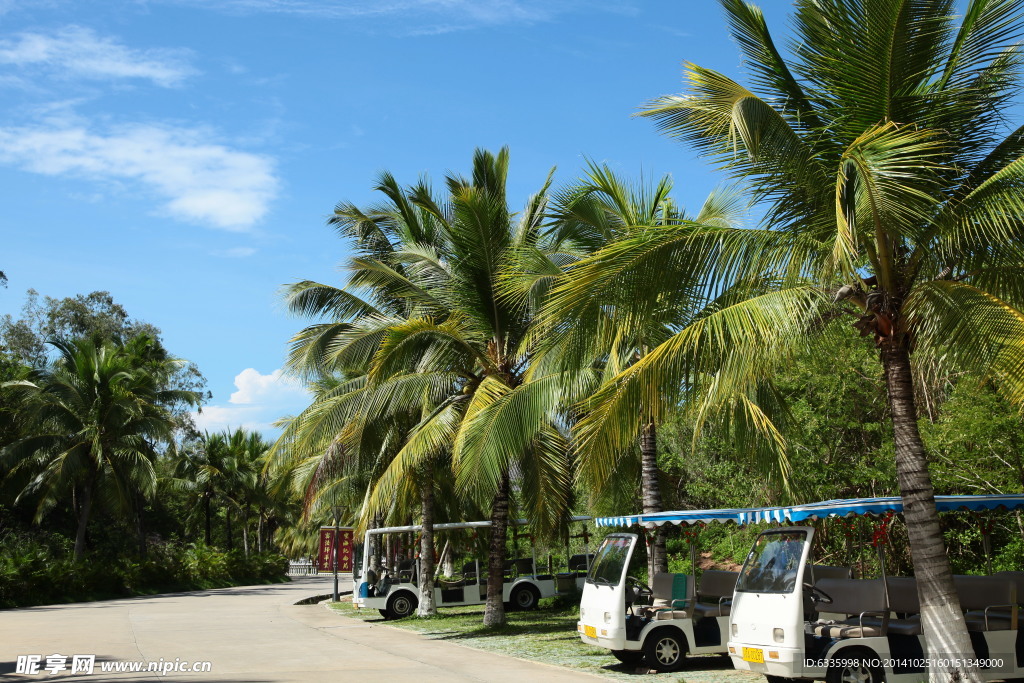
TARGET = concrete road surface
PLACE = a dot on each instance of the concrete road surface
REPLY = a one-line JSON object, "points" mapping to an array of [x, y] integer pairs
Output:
{"points": [[255, 634]]}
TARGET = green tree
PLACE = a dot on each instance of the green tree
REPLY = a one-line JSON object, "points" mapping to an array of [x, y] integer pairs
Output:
{"points": [[891, 194], [598, 210], [441, 342], [98, 415], [96, 316]]}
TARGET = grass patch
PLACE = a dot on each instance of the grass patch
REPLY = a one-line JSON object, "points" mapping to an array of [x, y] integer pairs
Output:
{"points": [[544, 635]]}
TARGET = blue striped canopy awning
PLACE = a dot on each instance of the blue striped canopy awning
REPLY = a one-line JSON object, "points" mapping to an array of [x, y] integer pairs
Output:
{"points": [[848, 507], [617, 521], [851, 507], [684, 517]]}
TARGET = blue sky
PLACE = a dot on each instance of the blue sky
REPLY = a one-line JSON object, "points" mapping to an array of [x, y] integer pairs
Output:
{"points": [[184, 154]]}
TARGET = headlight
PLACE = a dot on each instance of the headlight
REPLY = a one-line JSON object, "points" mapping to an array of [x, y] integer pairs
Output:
{"points": [[607, 617], [735, 630], [582, 612], [778, 634]]}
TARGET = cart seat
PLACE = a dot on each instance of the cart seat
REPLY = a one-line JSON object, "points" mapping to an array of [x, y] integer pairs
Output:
{"points": [[579, 563], [859, 600], [990, 602], [816, 573], [903, 601], [671, 596], [714, 595], [521, 566]]}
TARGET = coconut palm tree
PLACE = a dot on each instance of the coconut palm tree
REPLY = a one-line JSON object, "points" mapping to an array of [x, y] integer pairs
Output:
{"points": [[891, 191], [600, 209], [498, 427], [342, 442], [440, 343], [98, 416]]}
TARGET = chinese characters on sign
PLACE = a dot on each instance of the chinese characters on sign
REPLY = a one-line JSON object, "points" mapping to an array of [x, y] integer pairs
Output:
{"points": [[325, 557]]}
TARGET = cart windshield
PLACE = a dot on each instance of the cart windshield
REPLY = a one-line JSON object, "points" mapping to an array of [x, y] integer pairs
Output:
{"points": [[774, 563], [610, 563]]}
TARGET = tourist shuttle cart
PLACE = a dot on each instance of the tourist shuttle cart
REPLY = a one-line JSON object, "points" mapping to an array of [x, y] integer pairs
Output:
{"points": [[788, 623], [395, 590], [663, 622]]}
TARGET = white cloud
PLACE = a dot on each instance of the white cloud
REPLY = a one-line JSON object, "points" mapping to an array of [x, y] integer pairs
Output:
{"points": [[256, 388], [79, 51], [225, 418], [202, 181], [259, 401]]}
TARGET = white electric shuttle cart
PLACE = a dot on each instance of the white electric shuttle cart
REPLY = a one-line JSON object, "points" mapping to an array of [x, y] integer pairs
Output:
{"points": [[395, 590], [661, 623], [790, 624]]}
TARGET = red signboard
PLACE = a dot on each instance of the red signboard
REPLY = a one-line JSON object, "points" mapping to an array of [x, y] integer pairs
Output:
{"points": [[325, 556]]}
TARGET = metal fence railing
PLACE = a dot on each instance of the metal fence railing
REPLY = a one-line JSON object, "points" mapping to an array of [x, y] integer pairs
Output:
{"points": [[302, 568]]}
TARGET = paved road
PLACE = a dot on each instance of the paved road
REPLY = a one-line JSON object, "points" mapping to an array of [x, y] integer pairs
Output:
{"points": [[254, 634]]}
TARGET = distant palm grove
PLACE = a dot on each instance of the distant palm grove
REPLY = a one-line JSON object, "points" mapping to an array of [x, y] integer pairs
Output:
{"points": [[842, 317], [107, 488]]}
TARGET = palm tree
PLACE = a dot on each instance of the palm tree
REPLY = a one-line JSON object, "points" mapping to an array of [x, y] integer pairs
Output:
{"points": [[342, 442], [891, 189], [190, 474], [223, 467], [598, 210], [98, 414], [437, 341], [498, 426]]}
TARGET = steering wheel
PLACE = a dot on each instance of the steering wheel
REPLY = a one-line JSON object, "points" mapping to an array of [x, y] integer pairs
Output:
{"points": [[642, 589], [818, 595]]}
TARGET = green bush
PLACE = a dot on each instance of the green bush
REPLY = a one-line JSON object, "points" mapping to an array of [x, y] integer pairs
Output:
{"points": [[41, 570]]}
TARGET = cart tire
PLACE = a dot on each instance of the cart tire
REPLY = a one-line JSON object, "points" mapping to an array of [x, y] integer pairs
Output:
{"points": [[665, 650], [629, 656], [524, 597], [401, 605], [856, 670], [383, 613], [779, 679]]}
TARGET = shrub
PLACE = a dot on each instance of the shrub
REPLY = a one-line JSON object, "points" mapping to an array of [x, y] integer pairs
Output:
{"points": [[41, 570]]}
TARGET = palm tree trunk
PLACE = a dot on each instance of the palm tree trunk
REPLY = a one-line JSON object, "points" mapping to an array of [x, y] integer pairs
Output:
{"points": [[494, 611], [650, 490], [206, 511], [140, 525], [227, 519], [426, 570], [259, 531], [85, 507], [245, 530], [941, 618]]}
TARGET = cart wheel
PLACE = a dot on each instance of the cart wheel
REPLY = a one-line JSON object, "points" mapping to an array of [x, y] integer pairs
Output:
{"points": [[383, 613], [524, 597], [400, 605], [665, 650], [629, 656], [855, 669]]}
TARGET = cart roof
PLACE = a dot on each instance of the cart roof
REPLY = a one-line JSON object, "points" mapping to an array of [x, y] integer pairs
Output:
{"points": [[848, 507], [457, 525], [684, 517]]}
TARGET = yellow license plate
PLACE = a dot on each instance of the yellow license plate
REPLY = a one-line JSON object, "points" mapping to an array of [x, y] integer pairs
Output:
{"points": [[590, 631], [753, 654]]}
